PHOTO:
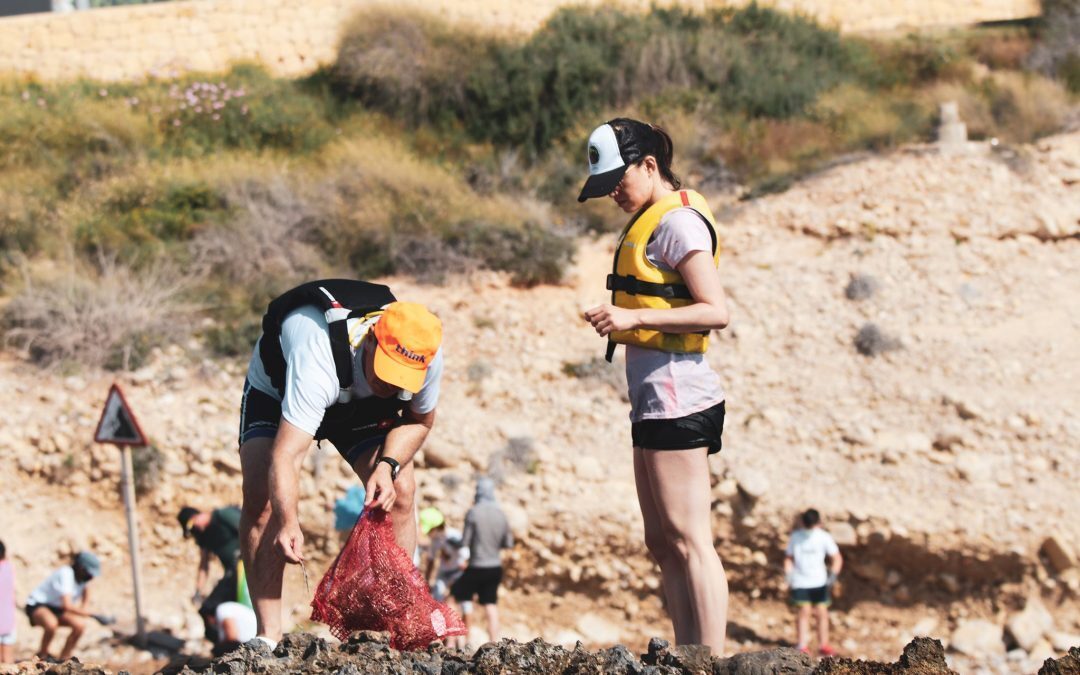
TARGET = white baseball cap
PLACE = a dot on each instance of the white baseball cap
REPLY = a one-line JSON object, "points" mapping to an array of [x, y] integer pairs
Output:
{"points": [[613, 148]]}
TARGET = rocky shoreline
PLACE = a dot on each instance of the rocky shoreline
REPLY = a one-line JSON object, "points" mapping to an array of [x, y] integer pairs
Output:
{"points": [[369, 653]]}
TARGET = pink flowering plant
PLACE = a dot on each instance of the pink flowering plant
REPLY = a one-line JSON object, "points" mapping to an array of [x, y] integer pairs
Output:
{"points": [[246, 109]]}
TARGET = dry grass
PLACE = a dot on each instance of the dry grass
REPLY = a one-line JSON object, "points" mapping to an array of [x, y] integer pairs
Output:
{"points": [[268, 238], [1015, 107], [104, 318]]}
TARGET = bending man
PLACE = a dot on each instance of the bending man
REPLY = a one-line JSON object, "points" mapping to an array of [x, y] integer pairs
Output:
{"points": [[339, 360]]}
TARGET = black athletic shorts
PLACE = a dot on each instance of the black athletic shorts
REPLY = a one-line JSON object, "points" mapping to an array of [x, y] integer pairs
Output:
{"points": [[482, 582], [702, 429], [260, 415], [810, 596], [57, 611]]}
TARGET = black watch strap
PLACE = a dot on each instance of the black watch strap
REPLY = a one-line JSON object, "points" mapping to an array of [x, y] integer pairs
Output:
{"points": [[395, 466]]}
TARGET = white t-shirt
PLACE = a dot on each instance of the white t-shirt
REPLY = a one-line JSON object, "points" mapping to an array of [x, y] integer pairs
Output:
{"points": [[243, 618], [808, 549], [311, 381], [450, 556], [665, 385], [56, 586]]}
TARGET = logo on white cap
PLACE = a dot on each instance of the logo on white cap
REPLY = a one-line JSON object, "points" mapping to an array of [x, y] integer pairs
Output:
{"points": [[604, 152]]}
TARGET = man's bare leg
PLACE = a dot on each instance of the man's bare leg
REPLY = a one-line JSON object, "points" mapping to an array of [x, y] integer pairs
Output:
{"points": [[49, 623], [492, 612], [264, 567]]}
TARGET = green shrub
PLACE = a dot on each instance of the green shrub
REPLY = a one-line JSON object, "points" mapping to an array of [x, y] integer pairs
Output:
{"points": [[861, 119], [409, 63], [914, 60], [1025, 106], [383, 211], [236, 338], [528, 94], [1001, 49], [27, 211], [531, 253], [246, 109], [148, 466], [1069, 72], [1057, 50], [138, 220], [75, 135]]}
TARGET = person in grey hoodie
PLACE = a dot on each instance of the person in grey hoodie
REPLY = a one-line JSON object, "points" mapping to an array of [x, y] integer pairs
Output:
{"points": [[486, 533]]}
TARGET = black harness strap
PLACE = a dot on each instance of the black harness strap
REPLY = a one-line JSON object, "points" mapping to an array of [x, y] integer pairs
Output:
{"points": [[634, 286], [340, 347]]}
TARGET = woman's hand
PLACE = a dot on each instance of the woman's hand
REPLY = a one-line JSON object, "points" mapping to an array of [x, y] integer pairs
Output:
{"points": [[607, 319]]}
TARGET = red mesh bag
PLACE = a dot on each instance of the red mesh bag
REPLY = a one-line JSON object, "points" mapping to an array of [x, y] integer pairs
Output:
{"points": [[373, 585]]}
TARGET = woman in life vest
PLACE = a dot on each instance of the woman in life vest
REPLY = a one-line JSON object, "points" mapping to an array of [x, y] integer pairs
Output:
{"points": [[666, 297]]}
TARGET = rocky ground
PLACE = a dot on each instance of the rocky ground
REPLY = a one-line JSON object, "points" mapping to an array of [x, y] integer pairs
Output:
{"points": [[370, 653], [905, 343]]}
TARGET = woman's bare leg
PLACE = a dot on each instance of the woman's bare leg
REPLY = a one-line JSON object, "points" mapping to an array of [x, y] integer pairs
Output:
{"points": [[672, 572], [679, 482]]}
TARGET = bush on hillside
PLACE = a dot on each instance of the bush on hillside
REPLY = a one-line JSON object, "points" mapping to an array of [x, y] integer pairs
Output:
{"points": [[914, 60], [267, 239], [148, 466], [1002, 49], [861, 119], [61, 125], [246, 109], [407, 62], [527, 94], [27, 213], [1057, 52], [404, 215], [1014, 107], [110, 317], [138, 219]]}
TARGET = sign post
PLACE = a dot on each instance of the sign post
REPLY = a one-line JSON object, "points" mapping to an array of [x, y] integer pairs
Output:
{"points": [[118, 426]]}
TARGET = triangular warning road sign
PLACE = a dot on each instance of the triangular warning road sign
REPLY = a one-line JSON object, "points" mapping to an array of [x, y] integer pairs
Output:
{"points": [[118, 425]]}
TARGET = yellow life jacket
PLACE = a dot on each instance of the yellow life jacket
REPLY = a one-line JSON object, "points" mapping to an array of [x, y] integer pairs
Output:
{"points": [[636, 283]]}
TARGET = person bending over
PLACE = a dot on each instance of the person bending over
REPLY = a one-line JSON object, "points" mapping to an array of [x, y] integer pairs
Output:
{"points": [[340, 360]]}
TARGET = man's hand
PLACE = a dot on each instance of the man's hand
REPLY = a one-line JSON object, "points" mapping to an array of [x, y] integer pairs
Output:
{"points": [[380, 488], [290, 542], [607, 319]]}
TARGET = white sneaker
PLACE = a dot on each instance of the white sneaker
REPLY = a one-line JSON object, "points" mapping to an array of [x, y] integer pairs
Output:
{"points": [[267, 641]]}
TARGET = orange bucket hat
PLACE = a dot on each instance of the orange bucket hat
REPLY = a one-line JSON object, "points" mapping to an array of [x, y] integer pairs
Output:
{"points": [[408, 336]]}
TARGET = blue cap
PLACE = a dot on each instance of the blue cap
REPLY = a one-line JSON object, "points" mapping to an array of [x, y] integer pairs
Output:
{"points": [[89, 562]]}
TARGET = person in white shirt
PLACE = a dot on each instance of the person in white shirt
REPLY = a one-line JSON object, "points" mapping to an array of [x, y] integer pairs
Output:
{"points": [[812, 562], [63, 599], [235, 624], [339, 360]]}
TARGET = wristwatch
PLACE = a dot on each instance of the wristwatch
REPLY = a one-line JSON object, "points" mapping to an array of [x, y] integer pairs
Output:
{"points": [[395, 467]]}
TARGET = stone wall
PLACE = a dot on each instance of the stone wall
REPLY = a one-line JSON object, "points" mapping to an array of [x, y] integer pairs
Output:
{"points": [[292, 37]]}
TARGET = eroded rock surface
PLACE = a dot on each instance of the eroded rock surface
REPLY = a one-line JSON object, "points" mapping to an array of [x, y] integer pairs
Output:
{"points": [[369, 653]]}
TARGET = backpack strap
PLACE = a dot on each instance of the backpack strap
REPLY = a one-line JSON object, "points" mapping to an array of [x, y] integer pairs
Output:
{"points": [[339, 300]]}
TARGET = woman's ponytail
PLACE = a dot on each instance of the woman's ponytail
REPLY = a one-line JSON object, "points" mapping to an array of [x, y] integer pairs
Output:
{"points": [[665, 152]]}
